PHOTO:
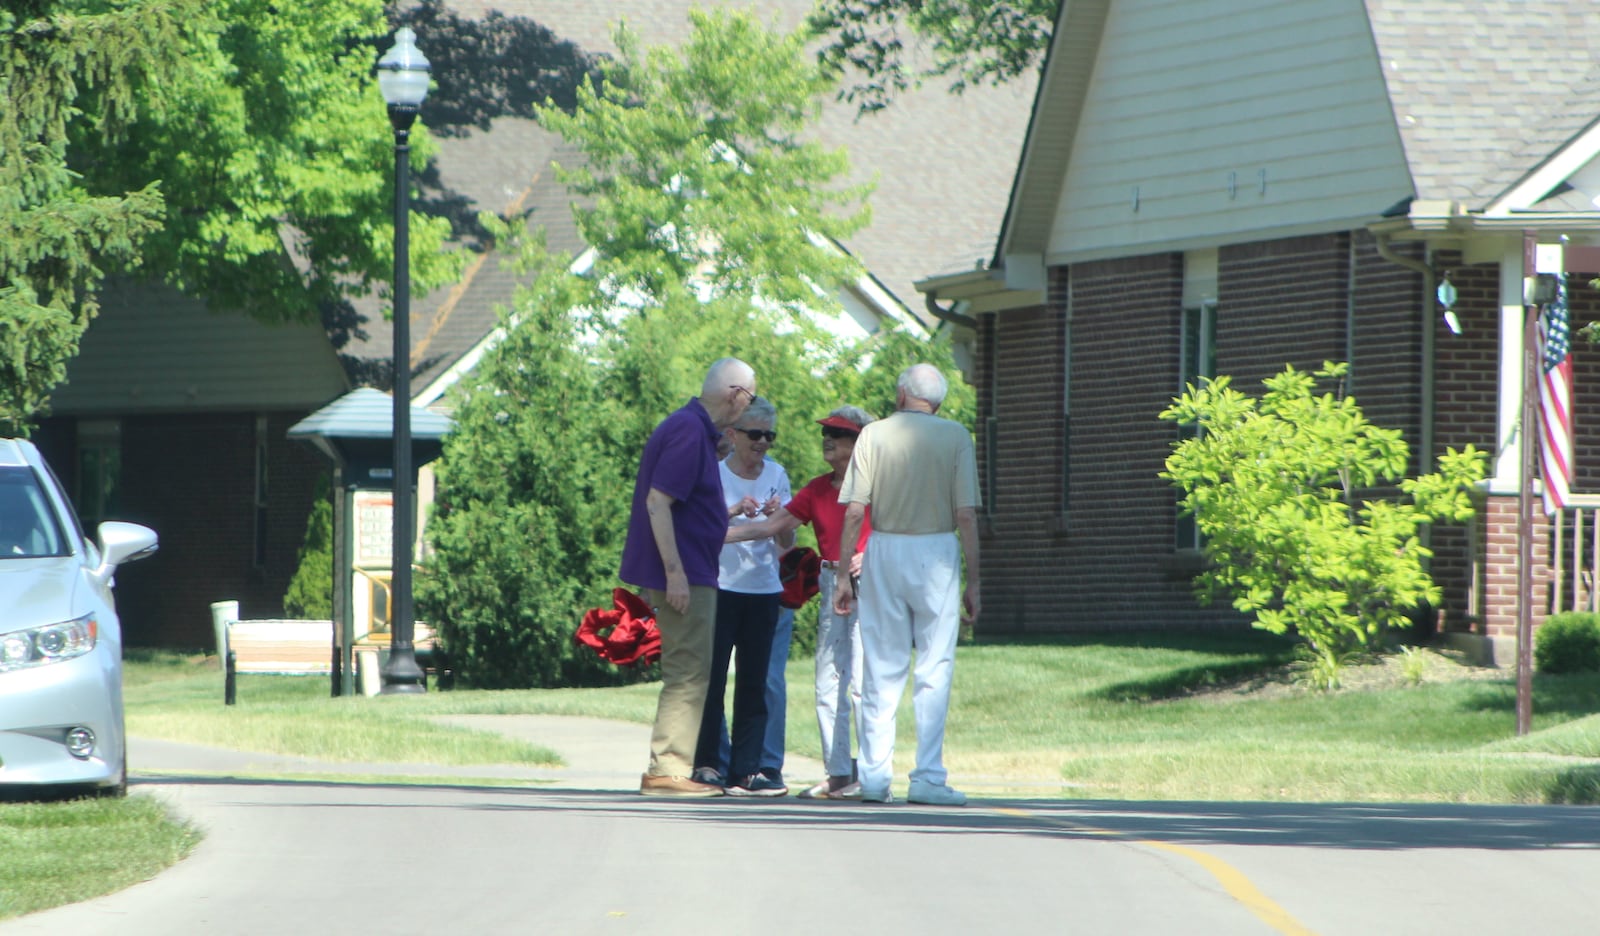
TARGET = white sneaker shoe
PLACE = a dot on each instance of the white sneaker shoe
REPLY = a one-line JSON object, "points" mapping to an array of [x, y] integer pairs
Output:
{"points": [[876, 796], [935, 794]]}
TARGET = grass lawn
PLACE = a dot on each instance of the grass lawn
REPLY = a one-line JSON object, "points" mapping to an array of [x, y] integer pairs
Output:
{"points": [[60, 853], [1147, 716]]}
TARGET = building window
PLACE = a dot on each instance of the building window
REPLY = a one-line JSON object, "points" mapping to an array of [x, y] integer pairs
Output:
{"points": [[260, 552], [99, 480], [1197, 362]]}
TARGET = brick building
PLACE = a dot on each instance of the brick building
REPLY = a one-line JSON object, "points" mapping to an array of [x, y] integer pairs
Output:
{"points": [[1194, 201]]}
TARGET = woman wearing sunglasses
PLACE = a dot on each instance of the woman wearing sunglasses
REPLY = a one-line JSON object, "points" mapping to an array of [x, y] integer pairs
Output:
{"points": [[838, 636], [748, 590]]}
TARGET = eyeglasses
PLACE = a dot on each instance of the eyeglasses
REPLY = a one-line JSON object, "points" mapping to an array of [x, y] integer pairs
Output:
{"points": [[834, 432], [743, 390], [756, 435]]}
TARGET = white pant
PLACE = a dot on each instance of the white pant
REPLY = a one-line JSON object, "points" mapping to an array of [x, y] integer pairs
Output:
{"points": [[910, 597], [838, 678]]}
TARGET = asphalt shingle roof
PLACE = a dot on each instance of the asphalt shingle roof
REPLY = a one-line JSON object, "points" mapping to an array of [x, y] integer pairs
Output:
{"points": [[1484, 90]]}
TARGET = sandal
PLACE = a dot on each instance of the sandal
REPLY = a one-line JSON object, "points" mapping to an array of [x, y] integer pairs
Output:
{"points": [[817, 791]]}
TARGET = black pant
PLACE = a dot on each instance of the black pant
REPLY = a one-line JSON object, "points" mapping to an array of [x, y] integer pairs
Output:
{"points": [[744, 623]]}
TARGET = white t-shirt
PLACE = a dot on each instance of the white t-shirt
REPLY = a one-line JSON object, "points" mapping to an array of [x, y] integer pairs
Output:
{"points": [[751, 567]]}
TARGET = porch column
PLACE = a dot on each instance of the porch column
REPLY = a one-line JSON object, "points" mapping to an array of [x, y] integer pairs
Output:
{"points": [[1499, 522]]}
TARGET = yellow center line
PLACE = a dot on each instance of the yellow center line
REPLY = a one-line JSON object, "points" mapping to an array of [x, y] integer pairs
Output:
{"points": [[1238, 886]]}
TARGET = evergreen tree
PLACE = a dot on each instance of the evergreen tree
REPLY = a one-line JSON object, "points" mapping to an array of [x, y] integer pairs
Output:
{"points": [[532, 498], [61, 69], [310, 592]]}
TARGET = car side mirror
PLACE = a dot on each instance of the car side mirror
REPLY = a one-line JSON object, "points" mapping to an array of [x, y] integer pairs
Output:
{"points": [[124, 542]]}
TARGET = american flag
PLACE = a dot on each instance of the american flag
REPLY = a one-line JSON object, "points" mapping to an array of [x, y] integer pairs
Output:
{"points": [[1555, 402]]}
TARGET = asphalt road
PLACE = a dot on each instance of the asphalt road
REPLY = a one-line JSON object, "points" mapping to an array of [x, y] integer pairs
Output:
{"points": [[284, 856]]}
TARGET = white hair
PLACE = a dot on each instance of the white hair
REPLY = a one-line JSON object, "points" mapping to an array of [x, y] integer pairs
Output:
{"points": [[854, 414], [760, 410], [924, 382], [724, 373]]}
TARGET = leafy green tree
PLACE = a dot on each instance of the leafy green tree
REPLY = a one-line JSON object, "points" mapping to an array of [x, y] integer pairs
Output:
{"points": [[972, 42], [873, 368], [68, 70], [713, 220], [276, 158], [1273, 485], [237, 149], [697, 181]]}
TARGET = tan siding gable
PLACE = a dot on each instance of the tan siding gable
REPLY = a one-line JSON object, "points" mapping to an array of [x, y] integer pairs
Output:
{"points": [[1190, 97], [154, 350]]}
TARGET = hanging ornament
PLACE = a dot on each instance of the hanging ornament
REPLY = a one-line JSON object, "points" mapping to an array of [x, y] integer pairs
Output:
{"points": [[1447, 298]]}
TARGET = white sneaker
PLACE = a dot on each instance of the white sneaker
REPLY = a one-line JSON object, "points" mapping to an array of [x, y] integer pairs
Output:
{"points": [[935, 794], [876, 796]]}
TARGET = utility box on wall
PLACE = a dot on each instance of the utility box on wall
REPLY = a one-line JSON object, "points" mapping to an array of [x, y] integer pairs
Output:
{"points": [[356, 432]]}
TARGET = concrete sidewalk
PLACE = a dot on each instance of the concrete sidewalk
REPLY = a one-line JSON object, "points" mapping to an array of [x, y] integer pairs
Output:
{"points": [[597, 754]]}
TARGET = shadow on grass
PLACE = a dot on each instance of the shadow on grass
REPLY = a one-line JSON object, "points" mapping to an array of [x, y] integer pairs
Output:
{"points": [[1175, 684], [1196, 641], [1572, 695], [1246, 656], [1571, 786]]}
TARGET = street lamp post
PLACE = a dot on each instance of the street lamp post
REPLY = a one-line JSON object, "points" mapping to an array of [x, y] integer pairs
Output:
{"points": [[403, 79]]}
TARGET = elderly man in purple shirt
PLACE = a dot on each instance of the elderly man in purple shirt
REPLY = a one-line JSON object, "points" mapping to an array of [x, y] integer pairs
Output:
{"points": [[674, 541]]}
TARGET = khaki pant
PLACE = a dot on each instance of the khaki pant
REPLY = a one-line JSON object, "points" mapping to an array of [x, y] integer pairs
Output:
{"points": [[686, 649]]}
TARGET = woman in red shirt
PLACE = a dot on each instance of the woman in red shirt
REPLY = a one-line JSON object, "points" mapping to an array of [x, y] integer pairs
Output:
{"points": [[838, 674]]}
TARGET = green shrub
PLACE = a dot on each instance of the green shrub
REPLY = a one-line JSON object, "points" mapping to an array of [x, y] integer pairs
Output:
{"points": [[1290, 492], [1568, 643], [310, 593]]}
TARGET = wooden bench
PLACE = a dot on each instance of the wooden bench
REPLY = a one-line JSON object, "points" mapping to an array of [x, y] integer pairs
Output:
{"points": [[304, 648], [278, 648]]}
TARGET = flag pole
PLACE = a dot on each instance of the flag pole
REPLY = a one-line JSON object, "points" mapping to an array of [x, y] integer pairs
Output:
{"points": [[1530, 363]]}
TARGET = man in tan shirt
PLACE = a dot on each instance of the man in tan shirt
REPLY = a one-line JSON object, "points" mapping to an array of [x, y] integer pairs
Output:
{"points": [[918, 472]]}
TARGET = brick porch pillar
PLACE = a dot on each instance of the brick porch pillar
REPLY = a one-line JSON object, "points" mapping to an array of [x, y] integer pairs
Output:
{"points": [[1498, 526]]}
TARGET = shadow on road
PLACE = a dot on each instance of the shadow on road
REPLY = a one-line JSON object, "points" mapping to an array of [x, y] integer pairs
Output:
{"points": [[1352, 826]]}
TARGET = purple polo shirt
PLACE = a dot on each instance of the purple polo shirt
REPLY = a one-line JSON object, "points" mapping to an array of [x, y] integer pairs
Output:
{"points": [[680, 460]]}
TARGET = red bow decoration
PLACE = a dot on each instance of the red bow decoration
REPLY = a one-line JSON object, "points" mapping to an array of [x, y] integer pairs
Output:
{"points": [[632, 637]]}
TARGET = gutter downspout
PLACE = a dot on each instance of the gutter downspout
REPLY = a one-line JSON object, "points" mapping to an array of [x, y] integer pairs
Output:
{"points": [[1425, 435], [1429, 285], [948, 315]]}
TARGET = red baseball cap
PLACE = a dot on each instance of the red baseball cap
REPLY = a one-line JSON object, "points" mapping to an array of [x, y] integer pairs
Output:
{"points": [[839, 422]]}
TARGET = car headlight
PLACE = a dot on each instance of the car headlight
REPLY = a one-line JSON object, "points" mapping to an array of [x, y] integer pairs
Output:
{"points": [[52, 643]]}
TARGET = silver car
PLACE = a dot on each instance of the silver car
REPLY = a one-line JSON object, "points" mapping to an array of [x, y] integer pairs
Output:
{"points": [[60, 641]]}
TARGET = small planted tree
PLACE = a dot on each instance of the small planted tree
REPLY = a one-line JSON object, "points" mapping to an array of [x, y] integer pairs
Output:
{"points": [[1287, 493]]}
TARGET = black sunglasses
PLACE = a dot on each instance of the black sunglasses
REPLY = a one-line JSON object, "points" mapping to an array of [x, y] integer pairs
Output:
{"points": [[756, 435], [834, 432]]}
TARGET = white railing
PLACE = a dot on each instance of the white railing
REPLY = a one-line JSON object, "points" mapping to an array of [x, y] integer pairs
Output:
{"points": [[1575, 569]]}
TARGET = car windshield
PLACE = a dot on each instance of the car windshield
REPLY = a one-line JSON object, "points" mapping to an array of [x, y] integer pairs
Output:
{"points": [[29, 528]]}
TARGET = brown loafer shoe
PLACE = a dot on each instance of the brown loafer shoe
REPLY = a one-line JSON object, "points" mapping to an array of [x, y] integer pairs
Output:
{"points": [[650, 785]]}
